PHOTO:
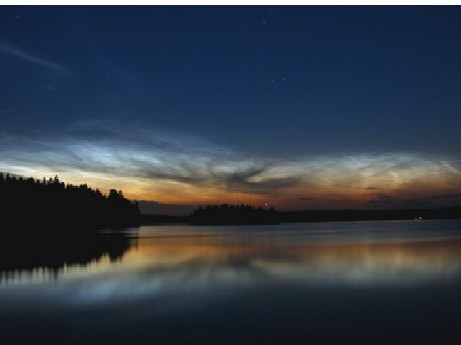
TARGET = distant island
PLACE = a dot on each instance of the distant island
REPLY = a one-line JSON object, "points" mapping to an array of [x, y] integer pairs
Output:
{"points": [[233, 214], [52, 205]]}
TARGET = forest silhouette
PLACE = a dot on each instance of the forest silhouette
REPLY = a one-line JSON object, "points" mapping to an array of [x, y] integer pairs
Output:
{"points": [[53, 205], [51, 225], [233, 214]]}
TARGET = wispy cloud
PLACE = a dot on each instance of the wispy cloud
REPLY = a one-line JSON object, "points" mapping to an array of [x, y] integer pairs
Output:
{"points": [[28, 57], [136, 153], [389, 201], [385, 201], [148, 159], [255, 179], [445, 196]]}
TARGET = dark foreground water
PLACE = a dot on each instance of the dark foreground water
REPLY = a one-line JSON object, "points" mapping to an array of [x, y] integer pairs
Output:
{"points": [[363, 282]]}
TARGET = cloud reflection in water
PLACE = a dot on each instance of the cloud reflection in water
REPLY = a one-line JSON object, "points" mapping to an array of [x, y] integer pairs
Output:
{"points": [[200, 264]]}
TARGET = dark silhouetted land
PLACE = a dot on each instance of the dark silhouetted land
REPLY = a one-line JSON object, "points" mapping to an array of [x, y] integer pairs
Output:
{"points": [[232, 214], [52, 205], [48, 225], [245, 214]]}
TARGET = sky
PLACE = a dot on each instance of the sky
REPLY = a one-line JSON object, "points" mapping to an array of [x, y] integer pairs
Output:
{"points": [[299, 107]]}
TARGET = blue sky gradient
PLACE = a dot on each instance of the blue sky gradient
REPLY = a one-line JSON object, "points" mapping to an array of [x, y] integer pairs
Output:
{"points": [[301, 107]]}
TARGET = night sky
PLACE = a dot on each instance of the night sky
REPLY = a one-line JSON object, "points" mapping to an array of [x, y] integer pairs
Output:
{"points": [[297, 107]]}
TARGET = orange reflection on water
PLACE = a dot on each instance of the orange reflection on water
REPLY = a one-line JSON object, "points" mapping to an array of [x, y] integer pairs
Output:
{"points": [[373, 253], [357, 262]]}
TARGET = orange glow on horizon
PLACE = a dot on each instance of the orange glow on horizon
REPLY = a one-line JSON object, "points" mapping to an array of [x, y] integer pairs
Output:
{"points": [[312, 197], [343, 182]]}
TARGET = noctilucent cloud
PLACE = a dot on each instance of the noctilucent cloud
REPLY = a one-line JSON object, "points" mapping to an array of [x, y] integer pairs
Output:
{"points": [[298, 107]]}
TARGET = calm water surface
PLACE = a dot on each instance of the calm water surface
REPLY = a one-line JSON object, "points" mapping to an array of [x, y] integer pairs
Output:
{"points": [[362, 282]]}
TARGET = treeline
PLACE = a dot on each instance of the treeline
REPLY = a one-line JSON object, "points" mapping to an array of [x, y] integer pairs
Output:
{"points": [[246, 214], [232, 214], [52, 204]]}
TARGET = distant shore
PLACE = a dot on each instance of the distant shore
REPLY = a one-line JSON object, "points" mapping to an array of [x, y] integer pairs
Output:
{"points": [[309, 216]]}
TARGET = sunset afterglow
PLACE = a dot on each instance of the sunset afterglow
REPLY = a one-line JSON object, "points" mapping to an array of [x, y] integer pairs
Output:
{"points": [[313, 108]]}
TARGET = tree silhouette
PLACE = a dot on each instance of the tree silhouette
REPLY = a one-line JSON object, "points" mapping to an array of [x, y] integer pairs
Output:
{"points": [[52, 204], [233, 214]]}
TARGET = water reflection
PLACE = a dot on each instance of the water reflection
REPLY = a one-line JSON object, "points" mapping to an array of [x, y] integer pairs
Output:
{"points": [[187, 259], [300, 283], [47, 256], [309, 257]]}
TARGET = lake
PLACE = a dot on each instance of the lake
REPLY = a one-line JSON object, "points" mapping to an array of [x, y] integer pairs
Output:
{"points": [[346, 282]]}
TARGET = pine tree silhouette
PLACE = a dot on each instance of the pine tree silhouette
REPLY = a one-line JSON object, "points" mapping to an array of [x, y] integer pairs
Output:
{"points": [[51, 204]]}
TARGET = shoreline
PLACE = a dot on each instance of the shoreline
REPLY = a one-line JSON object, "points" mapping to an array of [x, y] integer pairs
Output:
{"points": [[310, 216]]}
